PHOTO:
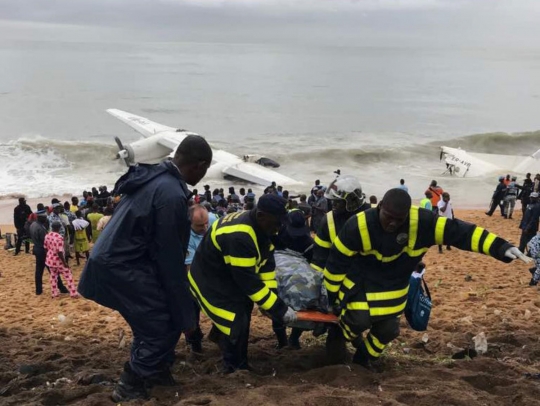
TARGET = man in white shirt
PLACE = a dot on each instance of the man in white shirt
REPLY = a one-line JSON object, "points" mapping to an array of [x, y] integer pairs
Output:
{"points": [[445, 210]]}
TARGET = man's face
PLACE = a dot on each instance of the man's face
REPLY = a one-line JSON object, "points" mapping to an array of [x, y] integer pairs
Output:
{"points": [[199, 223], [196, 173], [269, 223], [391, 221], [339, 206], [446, 198]]}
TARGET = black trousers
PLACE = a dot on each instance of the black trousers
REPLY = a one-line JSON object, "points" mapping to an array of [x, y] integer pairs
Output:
{"points": [[20, 239], [493, 207], [197, 335], [40, 254], [154, 341], [525, 238], [235, 350]]}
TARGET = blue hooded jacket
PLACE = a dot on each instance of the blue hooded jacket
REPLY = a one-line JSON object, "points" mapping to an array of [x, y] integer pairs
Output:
{"points": [[137, 265]]}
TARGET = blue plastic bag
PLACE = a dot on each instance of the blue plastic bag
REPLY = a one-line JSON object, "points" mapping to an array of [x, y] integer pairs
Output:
{"points": [[419, 305]]}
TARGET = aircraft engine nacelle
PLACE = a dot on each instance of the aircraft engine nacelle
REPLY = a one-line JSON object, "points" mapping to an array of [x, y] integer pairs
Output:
{"points": [[147, 150]]}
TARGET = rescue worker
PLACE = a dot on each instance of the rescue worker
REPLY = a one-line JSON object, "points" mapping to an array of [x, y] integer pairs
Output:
{"points": [[234, 268], [134, 265], [529, 223], [425, 203], [347, 200], [372, 259], [498, 196]]}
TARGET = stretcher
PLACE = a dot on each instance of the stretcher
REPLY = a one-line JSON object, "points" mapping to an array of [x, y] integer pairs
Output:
{"points": [[316, 316]]}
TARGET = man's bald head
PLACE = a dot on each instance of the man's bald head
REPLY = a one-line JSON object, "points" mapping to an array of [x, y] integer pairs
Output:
{"points": [[199, 219], [394, 211], [193, 157]]}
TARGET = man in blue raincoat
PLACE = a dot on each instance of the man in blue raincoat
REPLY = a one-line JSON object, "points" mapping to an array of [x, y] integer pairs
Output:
{"points": [[135, 266]]}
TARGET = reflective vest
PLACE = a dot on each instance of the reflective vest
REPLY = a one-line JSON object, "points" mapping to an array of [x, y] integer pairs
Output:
{"points": [[424, 202]]}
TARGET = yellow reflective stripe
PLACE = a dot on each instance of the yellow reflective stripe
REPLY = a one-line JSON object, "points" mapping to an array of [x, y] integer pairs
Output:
{"points": [[475, 240], [242, 228], [265, 276], [224, 314], [213, 235], [406, 250], [488, 242], [342, 248], [341, 295], [413, 226], [268, 303], [439, 230], [225, 330], [332, 277], [357, 306], [241, 262], [364, 232], [384, 311], [272, 248], [317, 268], [370, 349], [349, 335], [348, 283], [321, 243], [376, 342], [331, 226], [260, 294], [271, 284], [330, 287], [394, 294]]}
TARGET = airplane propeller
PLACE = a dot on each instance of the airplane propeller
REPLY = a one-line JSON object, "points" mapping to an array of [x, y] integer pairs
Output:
{"points": [[122, 152]]}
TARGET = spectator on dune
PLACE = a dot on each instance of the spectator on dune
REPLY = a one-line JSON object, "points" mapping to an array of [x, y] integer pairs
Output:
{"points": [[437, 192]]}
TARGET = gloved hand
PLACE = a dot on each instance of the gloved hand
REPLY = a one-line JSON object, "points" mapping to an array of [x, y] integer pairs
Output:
{"points": [[289, 316], [514, 253]]}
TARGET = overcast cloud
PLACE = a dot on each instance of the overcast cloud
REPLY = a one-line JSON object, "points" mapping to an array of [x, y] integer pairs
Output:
{"points": [[347, 22]]}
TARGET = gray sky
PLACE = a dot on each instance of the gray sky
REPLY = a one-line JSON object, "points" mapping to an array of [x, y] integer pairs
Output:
{"points": [[333, 22]]}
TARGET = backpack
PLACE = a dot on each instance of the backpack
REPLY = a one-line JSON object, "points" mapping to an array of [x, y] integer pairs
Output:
{"points": [[418, 308]]}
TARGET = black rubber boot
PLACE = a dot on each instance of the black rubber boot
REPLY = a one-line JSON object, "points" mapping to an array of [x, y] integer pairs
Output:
{"points": [[130, 386], [336, 346], [164, 378], [281, 335]]}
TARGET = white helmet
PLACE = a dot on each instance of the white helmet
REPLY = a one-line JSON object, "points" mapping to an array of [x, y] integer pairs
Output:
{"points": [[346, 188]]}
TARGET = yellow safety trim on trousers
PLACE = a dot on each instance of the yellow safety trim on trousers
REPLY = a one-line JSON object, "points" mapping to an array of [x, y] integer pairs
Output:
{"points": [[334, 278], [331, 226], [475, 240], [242, 228], [260, 294], [439, 230], [213, 235], [240, 262], [370, 349], [364, 232], [394, 294], [224, 314], [271, 284], [346, 334], [342, 248], [413, 226], [488, 242], [385, 311], [348, 283], [357, 306], [268, 303], [330, 287], [376, 342], [347, 329], [341, 295], [317, 268], [406, 250], [266, 276], [225, 330], [322, 243]]}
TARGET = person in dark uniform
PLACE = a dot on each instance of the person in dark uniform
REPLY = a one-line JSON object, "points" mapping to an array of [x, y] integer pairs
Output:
{"points": [[497, 198], [134, 266], [234, 268], [368, 271], [20, 216]]}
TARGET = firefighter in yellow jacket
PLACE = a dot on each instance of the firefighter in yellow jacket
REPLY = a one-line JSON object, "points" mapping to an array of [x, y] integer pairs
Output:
{"points": [[234, 268], [368, 270]]}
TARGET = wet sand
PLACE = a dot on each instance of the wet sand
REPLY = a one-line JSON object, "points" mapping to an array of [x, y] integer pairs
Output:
{"points": [[75, 362]]}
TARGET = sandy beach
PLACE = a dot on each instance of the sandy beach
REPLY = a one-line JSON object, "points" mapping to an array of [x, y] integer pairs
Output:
{"points": [[70, 352]]}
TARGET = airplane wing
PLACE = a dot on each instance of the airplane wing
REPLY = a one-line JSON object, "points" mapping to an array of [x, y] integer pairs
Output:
{"points": [[140, 124], [508, 162]]}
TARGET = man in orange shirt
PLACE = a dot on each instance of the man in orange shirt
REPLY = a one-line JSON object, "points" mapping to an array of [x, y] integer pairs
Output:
{"points": [[436, 193]]}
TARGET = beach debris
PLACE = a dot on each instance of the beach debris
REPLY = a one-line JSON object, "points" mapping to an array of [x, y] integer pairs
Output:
{"points": [[121, 338], [527, 314], [480, 343], [406, 350], [249, 386], [64, 321], [454, 347], [468, 278], [497, 312], [425, 338], [69, 338]]}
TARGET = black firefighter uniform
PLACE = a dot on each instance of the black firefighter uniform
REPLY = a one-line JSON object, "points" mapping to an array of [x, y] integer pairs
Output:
{"points": [[367, 273], [233, 268]]}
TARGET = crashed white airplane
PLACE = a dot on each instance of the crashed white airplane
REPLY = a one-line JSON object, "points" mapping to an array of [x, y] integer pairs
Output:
{"points": [[470, 164], [161, 141]]}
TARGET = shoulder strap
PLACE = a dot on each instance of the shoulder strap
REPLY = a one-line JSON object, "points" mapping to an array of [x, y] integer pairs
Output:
{"points": [[428, 294]]}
